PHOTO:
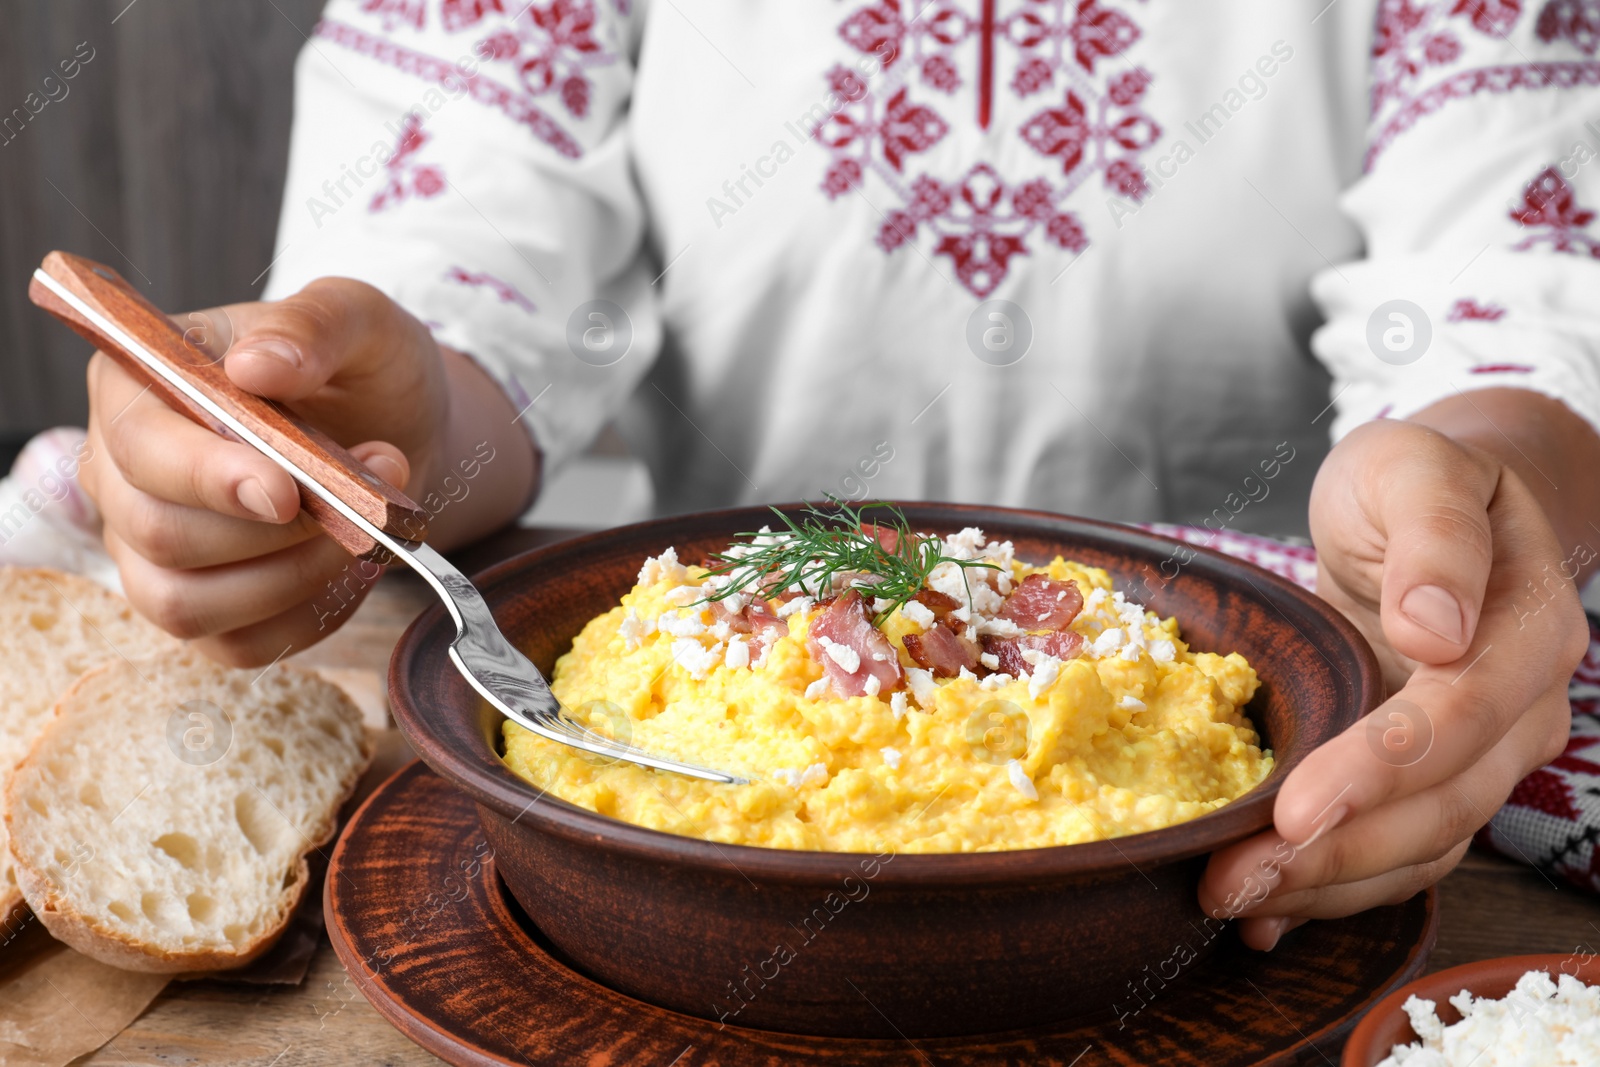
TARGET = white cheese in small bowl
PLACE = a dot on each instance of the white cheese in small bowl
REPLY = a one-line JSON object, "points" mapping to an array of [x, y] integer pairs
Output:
{"points": [[1540, 1023]]}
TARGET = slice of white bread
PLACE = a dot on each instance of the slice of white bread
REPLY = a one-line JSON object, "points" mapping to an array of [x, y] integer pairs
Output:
{"points": [[134, 850], [53, 627]]}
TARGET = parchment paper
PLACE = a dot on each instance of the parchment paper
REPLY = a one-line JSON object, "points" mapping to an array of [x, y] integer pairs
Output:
{"points": [[57, 1004]]}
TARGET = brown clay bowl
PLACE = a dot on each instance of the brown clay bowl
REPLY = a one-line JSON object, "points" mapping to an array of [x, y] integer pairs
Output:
{"points": [[829, 943], [1387, 1024]]}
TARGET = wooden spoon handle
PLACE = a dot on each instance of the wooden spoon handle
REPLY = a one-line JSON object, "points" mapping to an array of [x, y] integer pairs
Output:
{"points": [[159, 354]]}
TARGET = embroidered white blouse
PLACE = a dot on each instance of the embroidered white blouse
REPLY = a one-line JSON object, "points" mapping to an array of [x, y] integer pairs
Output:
{"points": [[1127, 258]]}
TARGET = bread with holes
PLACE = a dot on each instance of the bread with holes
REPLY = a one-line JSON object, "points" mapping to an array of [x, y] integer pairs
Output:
{"points": [[55, 626], [162, 820]]}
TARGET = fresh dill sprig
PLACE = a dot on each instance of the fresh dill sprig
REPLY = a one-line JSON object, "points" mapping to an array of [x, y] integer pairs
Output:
{"points": [[833, 540]]}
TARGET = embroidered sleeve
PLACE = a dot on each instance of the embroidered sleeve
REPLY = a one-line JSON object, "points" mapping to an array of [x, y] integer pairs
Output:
{"points": [[1478, 201], [469, 158]]}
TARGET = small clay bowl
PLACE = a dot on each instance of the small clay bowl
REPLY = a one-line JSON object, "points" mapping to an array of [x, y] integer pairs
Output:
{"points": [[1387, 1024], [840, 944]]}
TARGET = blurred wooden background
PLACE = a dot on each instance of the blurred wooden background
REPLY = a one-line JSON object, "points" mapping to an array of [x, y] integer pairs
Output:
{"points": [[164, 158]]}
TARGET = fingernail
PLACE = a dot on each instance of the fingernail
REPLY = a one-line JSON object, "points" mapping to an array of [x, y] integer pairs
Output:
{"points": [[1333, 817], [1274, 929], [386, 468], [270, 348], [1436, 611], [252, 496]]}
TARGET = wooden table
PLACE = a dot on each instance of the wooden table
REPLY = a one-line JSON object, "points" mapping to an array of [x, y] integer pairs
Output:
{"points": [[1489, 907]]}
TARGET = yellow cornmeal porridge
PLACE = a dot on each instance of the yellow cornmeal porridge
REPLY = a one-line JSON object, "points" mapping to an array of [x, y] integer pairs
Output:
{"points": [[1129, 732]]}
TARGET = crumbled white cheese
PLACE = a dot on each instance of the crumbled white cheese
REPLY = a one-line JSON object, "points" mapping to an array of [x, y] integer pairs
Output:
{"points": [[635, 628], [1003, 554], [949, 579], [872, 685], [816, 774], [720, 629], [924, 689], [1163, 651], [1092, 602], [994, 681], [1131, 651], [680, 625], [891, 756], [985, 599], [694, 657], [974, 595], [917, 613], [881, 604], [848, 659], [663, 567], [801, 604], [966, 675], [990, 660], [1540, 1023], [897, 704], [1131, 703], [998, 627], [1020, 779], [738, 654], [1108, 643], [964, 545], [817, 689], [1044, 675]]}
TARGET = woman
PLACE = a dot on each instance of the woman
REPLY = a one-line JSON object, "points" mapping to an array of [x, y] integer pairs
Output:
{"points": [[1070, 255]]}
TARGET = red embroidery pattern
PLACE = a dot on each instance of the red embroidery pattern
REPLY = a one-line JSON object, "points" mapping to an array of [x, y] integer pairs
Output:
{"points": [[504, 290], [1416, 40], [458, 15], [981, 223], [1496, 17], [454, 15], [407, 177], [1413, 35], [1546, 792], [979, 218], [514, 105], [1471, 311], [1577, 21], [1502, 79], [395, 12], [1550, 208], [551, 47]]}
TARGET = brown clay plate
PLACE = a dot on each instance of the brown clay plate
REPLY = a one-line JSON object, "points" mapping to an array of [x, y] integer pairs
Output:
{"points": [[430, 936]]}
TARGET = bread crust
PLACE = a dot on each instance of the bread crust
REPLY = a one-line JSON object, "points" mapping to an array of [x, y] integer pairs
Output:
{"points": [[112, 947], [14, 910]]}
